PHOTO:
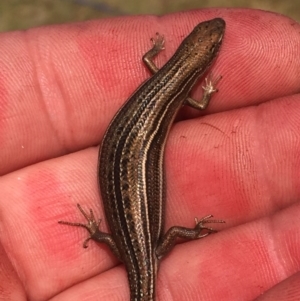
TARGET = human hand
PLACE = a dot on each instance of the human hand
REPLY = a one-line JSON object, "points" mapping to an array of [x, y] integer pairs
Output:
{"points": [[61, 85]]}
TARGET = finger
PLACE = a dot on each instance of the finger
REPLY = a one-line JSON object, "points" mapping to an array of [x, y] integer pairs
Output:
{"points": [[110, 285], [244, 262], [253, 59], [63, 84], [238, 165], [287, 290]]}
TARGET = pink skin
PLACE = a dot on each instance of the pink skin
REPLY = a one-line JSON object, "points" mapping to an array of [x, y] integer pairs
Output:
{"points": [[59, 88]]}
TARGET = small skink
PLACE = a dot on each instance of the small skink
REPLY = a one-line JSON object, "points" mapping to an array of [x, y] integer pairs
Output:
{"points": [[131, 171]]}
